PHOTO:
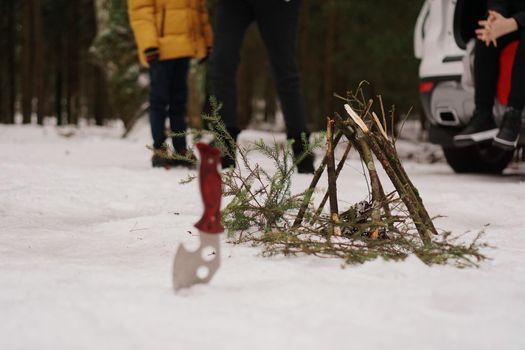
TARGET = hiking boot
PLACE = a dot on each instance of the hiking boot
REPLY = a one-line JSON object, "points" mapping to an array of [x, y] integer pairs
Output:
{"points": [[509, 131], [159, 161], [162, 158], [481, 127], [306, 164]]}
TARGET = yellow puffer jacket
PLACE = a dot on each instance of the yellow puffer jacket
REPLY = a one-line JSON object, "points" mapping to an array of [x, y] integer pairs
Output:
{"points": [[178, 28]]}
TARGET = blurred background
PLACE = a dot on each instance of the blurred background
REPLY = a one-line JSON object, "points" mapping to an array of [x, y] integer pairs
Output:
{"points": [[71, 61]]}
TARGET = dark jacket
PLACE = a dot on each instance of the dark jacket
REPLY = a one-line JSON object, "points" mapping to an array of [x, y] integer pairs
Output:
{"points": [[510, 8]]}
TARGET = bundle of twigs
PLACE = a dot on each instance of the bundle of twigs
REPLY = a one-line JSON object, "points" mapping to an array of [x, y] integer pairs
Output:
{"points": [[369, 140], [393, 225]]}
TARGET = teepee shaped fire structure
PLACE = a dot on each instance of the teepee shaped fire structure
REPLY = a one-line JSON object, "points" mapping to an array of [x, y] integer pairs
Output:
{"points": [[369, 139]]}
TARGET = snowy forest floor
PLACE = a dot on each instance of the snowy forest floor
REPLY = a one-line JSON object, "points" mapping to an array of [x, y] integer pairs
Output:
{"points": [[88, 232]]}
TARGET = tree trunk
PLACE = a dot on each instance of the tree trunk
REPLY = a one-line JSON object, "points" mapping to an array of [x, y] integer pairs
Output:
{"points": [[59, 90], [27, 71], [331, 34], [305, 58], [73, 63], [90, 101], [3, 64], [11, 60], [39, 61], [100, 106]]}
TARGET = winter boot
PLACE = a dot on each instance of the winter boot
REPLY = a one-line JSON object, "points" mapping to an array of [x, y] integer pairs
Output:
{"points": [[481, 127], [306, 164], [510, 129], [160, 158], [228, 160]]}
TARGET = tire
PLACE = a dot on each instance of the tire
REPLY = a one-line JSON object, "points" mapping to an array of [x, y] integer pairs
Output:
{"points": [[480, 158]]}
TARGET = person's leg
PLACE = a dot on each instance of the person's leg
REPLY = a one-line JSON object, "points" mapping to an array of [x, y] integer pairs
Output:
{"points": [[158, 102], [278, 24], [509, 131], [481, 126], [178, 97], [486, 71], [231, 21], [517, 87]]}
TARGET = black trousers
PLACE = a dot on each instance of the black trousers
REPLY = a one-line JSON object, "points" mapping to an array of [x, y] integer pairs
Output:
{"points": [[167, 99], [486, 72], [277, 21]]}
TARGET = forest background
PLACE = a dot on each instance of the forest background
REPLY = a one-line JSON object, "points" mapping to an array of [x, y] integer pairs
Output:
{"points": [[77, 60]]}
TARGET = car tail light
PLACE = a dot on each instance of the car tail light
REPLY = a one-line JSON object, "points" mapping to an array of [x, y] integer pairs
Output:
{"points": [[426, 86]]}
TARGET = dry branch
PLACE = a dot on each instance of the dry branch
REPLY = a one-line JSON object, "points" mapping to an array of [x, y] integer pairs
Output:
{"points": [[332, 180]]}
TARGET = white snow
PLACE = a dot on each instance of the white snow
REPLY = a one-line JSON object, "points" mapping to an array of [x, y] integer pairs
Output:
{"points": [[88, 232]]}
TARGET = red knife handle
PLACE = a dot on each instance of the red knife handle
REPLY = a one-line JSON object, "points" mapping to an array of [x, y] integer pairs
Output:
{"points": [[211, 189]]}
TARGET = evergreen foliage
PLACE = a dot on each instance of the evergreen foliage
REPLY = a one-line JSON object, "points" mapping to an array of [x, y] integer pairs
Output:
{"points": [[116, 51], [92, 71]]}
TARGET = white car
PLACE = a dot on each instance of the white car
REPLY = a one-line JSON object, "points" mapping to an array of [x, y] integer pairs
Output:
{"points": [[444, 40]]}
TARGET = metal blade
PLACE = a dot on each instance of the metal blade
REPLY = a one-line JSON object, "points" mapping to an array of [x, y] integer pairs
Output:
{"points": [[191, 268]]}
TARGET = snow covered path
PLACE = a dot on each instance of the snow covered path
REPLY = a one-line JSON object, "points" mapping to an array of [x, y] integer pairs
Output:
{"points": [[88, 232]]}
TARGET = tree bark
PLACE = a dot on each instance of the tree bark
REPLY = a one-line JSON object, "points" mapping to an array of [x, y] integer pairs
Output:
{"points": [[39, 62], [27, 69], [73, 63], [59, 113], [11, 60], [3, 63], [100, 105], [331, 36]]}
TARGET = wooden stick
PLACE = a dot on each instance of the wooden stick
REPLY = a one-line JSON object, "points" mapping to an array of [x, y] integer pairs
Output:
{"points": [[340, 167], [315, 180], [332, 180], [378, 196]]}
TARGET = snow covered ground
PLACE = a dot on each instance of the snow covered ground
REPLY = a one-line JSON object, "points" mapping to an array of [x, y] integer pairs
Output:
{"points": [[88, 233]]}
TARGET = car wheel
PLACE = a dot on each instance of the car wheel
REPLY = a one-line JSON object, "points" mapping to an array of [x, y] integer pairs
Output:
{"points": [[479, 158]]}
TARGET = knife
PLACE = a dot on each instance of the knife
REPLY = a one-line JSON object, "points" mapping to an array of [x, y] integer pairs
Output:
{"points": [[190, 268]]}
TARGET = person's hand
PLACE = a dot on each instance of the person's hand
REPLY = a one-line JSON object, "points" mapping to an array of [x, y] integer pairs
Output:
{"points": [[483, 33], [494, 27], [152, 55]]}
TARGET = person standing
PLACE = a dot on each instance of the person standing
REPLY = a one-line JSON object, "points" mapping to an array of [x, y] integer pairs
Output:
{"points": [[169, 34], [277, 21], [505, 23]]}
